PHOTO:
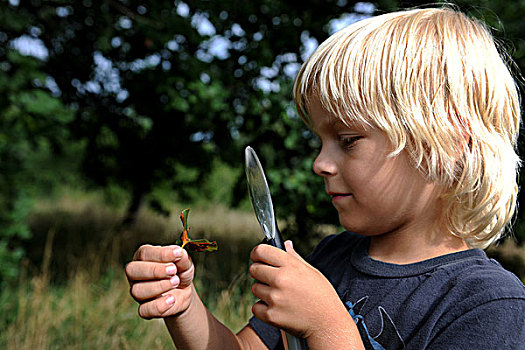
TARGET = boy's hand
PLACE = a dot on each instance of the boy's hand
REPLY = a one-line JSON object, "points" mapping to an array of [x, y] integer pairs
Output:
{"points": [[160, 280], [294, 295]]}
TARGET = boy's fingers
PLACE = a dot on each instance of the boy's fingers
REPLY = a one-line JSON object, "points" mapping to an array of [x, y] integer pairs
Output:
{"points": [[288, 245], [267, 254], [185, 269], [263, 273], [152, 289], [158, 253], [260, 310], [263, 292], [156, 308], [291, 251], [145, 270]]}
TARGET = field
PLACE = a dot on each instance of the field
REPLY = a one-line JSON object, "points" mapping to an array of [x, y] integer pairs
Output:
{"points": [[73, 293]]}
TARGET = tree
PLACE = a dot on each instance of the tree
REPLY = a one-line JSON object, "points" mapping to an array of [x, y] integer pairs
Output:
{"points": [[163, 88], [30, 118], [160, 89]]}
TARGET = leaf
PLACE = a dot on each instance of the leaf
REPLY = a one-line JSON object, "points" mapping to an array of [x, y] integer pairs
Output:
{"points": [[194, 245]]}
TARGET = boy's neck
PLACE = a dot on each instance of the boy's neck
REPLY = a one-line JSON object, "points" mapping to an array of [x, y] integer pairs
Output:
{"points": [[403, 248]]}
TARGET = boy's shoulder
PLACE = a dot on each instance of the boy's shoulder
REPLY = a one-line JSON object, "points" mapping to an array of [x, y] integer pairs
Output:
{"points": [[481, 279], [450, 301], [472, 290], [469, 271]]}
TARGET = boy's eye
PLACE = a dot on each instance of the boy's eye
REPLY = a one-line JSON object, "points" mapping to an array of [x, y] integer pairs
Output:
{"points": [[348, 142]]}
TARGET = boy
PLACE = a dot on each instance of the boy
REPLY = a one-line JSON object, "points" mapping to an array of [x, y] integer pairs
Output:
{"points": [[418, 118]]}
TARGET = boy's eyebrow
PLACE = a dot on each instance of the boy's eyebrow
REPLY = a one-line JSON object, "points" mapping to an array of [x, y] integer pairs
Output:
{"points": [[335, 121], [350, 124]]}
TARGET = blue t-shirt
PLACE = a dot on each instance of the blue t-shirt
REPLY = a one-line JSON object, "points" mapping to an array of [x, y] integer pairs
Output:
{"points": [[457, 301]]}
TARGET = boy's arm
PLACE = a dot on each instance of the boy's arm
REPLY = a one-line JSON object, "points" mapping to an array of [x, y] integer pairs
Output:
{"points": [[197, 328], [161, 281]]}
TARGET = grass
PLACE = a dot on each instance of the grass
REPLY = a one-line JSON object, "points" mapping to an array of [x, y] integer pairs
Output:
{"points": [[75, 316], [91, 312], [74, 294]]}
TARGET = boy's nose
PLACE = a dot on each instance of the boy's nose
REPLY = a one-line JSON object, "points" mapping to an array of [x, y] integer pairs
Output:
{"points": [[324, 166]]}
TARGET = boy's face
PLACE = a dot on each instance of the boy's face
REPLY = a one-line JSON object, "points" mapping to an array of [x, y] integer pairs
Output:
{"points": [[373, 192]]}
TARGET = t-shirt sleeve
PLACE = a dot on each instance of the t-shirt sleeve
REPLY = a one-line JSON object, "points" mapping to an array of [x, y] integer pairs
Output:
{"points": [[498, 324], [270, 336]]}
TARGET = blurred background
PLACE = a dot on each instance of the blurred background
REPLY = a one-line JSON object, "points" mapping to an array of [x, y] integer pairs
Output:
{"points": [[117, 114]]}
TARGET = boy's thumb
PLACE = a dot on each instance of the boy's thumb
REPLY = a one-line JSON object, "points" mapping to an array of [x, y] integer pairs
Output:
{"points": [[288, 245]]}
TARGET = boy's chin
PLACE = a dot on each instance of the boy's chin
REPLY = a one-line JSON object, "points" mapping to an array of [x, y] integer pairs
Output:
{"points": [[359, 229]]}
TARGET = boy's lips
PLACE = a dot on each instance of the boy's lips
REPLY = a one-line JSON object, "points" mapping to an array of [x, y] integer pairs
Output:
{"points": [[338, 195]]}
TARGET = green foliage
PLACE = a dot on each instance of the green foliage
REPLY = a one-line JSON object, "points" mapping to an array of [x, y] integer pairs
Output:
{"points": [[156, 103], [132, 92], [10, 259], [30, 118], [159, 112]]}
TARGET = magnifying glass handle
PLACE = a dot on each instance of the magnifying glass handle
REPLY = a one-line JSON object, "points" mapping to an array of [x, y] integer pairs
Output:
{"points": [[290, 342], [277, 241]]}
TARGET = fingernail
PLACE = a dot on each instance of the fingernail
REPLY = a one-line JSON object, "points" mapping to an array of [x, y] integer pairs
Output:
{"points": [[171, 270], [170, 300], [177, 252], [175, 281]]}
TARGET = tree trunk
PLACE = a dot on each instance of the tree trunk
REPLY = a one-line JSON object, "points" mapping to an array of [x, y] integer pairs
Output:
{"points": [[137, 200]]}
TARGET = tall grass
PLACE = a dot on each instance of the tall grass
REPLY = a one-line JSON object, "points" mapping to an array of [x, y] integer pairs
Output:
{"points": [[74, 294], [85, 313], [97, 313]]}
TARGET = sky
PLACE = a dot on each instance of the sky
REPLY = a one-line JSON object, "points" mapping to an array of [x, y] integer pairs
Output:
{"points": [[106, 75]]}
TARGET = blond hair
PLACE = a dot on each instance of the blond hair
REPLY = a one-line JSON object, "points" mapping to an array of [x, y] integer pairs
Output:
{"points": [[433, 81]]}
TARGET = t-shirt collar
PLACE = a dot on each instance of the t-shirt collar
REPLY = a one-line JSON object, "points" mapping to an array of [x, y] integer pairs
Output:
{"points": [[365, 264]]}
